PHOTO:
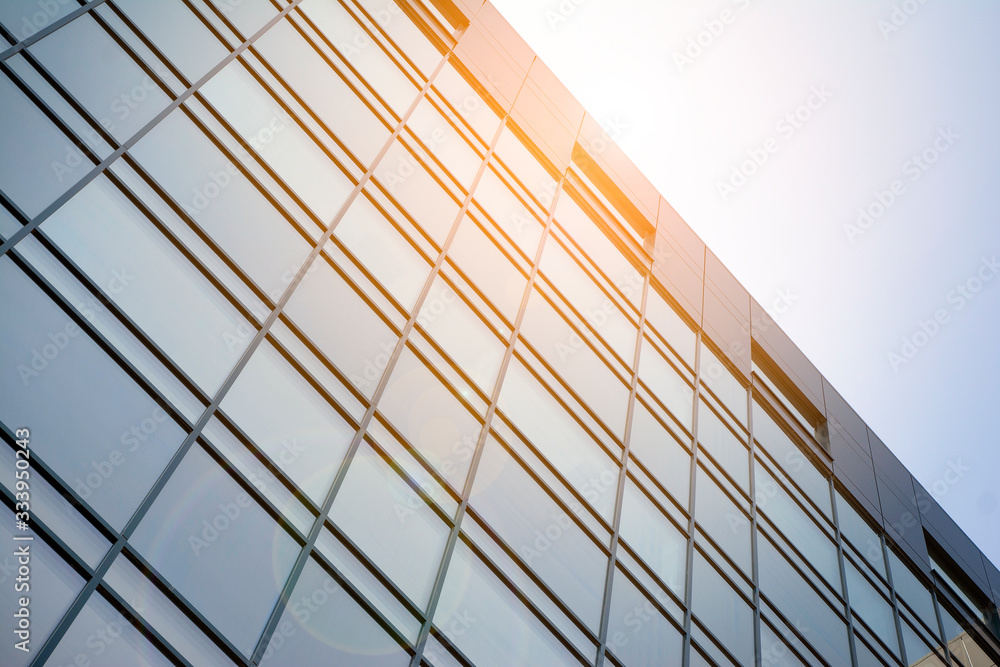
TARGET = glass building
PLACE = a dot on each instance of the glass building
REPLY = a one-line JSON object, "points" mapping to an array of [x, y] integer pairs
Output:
{"points": [[339, 334]]}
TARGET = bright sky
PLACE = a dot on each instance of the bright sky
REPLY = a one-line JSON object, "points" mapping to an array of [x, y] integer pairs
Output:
{"points": [[906, 99]]}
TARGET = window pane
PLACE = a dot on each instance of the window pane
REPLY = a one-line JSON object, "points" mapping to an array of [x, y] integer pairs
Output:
{"points": [[912, 591], [918, 653], [184, 39], [559, 438], [796, 525], [774, 651], [789, 592], [479, 258], [860, 534], [871, 606], [384, 251], [488, 623], [153, 283], [791, 459], [724, 522], [717, 377], [666, 384], [289, 421], [101, 635], [727, 450], [324, 625], [653, 538], [723, 611], [326, 93], [282, 144], [98, 430], [638, 633], [429, 416], [217, 547], [47, 164], [508, 212], [24, 18], [541, 533], [445, 143], [53, 587], [396, 529], [214, 193], [660, 453], [669, 324], [102, 76]]}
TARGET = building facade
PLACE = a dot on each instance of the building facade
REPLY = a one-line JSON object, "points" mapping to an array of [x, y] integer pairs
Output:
{"points": [[336, 332]]}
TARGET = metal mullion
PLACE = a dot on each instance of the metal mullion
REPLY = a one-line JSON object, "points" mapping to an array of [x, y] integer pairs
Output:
{"points": [[20, 45], [100, 167], [450, 648], [689, 551], [754, 554], [505, 364], [622, 481], [383, 382], [183, 605], [137, 620], [897, 615]]}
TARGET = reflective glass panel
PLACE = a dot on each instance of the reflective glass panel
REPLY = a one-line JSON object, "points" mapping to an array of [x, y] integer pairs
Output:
{"points": [[653, 538]]}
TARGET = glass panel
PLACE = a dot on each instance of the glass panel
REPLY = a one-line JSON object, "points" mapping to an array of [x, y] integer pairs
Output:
{"points": [[185, 40], [406, 179], [799, 602], [723, 611], [324, 91], [724, 522], [249, 16], [717, 377], [40, 163], [638, 633], [872, 607], [217, 547], [576, 362], [446, 144], [462, 334], [478, 257], [402, 535], [653, 537], [487, 622], [214, 193], [50, 588], [404, 33], [102, 434], [669, 324], [372, 63], [467, 102], [324, 625], [152, 282], [104, 78], [352, 335], [101, 635], [24, 18], [774, 652], [289, 421], [666, 383], [791, 459], [523, 164], [860, 534], [547, 425], [384, 251], [660, 453], [508, 212], [282, 144], [541, 532], [912, 591], [163, 615], [596, 307], [796, 525], [429, 416], [727, 450], [918, 653]]}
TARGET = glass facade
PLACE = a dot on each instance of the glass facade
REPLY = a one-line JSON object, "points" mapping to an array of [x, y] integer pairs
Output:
{"points": [[322, 358]]}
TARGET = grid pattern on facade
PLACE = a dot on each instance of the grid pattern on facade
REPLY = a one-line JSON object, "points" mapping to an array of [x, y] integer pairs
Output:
{"points": [[322, 363]]}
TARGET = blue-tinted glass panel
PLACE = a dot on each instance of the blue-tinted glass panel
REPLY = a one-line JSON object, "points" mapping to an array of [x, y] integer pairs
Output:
{"points": [[723, 611], [638, 633], [217, 547], [874, 609], [660, 453], [24, 18], [791, 459], [653, 538], [89, 420], [324, 625], [723, 520], [723, 445], [666, 384]]}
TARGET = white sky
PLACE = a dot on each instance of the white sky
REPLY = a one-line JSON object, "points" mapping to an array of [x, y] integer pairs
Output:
{"points": [[855, 292]]}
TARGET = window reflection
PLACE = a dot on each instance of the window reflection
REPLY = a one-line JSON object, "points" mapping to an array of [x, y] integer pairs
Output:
{"points": [[723, 611], [638, 632], [653, 537]]}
